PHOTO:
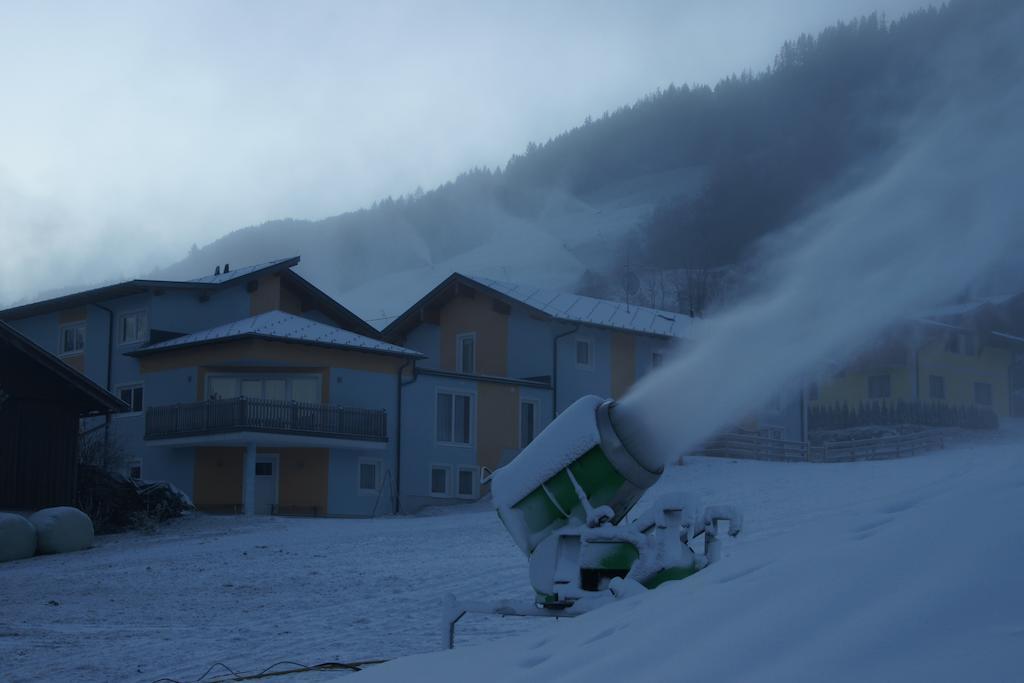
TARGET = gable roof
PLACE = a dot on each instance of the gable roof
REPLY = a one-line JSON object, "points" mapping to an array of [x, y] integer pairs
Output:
{"points": [[91, 397], [282, 327], [139, 286], [283, 267], [572, 308]]}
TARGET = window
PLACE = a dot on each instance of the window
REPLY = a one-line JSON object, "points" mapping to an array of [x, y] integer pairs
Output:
{"points": [[937, 387], [983, 393], [264, 469], [453, 418], [584, 353], [465, 351], [527, 422], [369, 475], [657, 359], [72, 339], [439, 476], [878, 386], [970, 345], [132, 395], [302, 389], [133, 328], [953, 343], [467, 482], [135, 470]]}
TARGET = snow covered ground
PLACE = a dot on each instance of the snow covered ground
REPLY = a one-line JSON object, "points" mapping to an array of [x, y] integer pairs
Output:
{"points": [[908, 570], [898, 570]]}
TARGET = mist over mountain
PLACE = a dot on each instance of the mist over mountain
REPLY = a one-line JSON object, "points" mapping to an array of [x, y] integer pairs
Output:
{"points": [[691, 176]]}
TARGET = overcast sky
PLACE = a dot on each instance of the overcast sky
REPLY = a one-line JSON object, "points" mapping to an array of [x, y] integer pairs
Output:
{"points": [[130, 130]]}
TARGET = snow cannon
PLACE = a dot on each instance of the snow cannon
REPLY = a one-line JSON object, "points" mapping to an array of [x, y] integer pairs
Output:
{"points": [[566, 500]]}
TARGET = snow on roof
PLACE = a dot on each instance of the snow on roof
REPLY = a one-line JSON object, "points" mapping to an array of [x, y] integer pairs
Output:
{"points": [[282, 326], [591, 311], [1011, 337], [241, 272]]}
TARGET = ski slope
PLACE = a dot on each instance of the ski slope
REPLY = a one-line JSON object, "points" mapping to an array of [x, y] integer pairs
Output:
{"points": [[905, 570]]}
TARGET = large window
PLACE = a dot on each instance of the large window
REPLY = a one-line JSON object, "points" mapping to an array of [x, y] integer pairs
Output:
{"points": [[72, 339], [453, 417], [527, 422], [132, 395], [300, 388], [465, 350], [133, 327], [983, 393], [440, 477], [937, 387], [879, 387]]}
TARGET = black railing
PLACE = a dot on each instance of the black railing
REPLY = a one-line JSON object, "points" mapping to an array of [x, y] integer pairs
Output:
{"points": [[260, 415]]}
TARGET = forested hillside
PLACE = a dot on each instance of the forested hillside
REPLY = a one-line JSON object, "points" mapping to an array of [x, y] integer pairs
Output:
{"points": [[687, 177]]}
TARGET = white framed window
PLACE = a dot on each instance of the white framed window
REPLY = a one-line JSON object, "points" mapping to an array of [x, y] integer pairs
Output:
{"points": [[135, 469], [440, 481], [132, 395], [528, 412], [133, 327], [657, 358], [465, 482], [584, 353], [72, 339], [454, 418], [465, 353], [369, 475]]}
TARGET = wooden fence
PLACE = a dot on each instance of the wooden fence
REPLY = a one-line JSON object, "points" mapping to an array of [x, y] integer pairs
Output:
{"points": [[753, 447]]}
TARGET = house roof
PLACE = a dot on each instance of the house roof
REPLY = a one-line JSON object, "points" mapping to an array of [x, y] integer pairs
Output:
{"points": [[91, 397], [573, 308], [139, 286], [282, 327], [282, 266]]}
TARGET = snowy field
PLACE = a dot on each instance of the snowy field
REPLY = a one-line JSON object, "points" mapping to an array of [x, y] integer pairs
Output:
{"points": [[899, 570]]}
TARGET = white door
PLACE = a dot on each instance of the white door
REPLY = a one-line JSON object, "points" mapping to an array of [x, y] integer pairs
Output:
{"points": [[266, 482]]}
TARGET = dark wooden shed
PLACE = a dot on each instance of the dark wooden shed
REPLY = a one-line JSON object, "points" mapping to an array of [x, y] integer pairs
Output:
{"points": [[41, 402]]}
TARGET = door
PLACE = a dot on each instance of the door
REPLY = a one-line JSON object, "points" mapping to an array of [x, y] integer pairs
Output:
{"points": [[266, 482]]}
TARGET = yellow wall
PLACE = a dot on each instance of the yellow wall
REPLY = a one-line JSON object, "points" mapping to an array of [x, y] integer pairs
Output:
{"points": [[497, 420], [463, 315], [960, 371]]}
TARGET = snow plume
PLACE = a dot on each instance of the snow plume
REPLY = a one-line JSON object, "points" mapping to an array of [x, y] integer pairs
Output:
{"points": [[947, 208]]}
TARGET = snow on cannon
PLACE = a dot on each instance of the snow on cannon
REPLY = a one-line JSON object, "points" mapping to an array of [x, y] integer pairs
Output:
{"points": [[566, 501]]}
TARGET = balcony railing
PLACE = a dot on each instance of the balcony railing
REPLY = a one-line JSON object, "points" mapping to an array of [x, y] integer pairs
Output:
{"points": [[261, 415]]}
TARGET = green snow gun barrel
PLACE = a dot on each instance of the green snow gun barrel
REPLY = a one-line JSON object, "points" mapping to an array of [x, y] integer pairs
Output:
{"points": [[565, 497]]}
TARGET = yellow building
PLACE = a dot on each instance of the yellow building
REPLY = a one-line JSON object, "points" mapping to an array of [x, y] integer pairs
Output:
{"points": [[959, 356]]}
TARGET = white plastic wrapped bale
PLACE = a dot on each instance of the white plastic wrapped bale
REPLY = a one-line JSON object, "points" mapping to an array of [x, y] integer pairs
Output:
{"points": [[17, 538], [62, 530]]}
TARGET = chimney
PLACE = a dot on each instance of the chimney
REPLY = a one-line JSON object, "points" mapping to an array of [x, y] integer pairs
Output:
{"points": [[217, 272], [227, 267]]}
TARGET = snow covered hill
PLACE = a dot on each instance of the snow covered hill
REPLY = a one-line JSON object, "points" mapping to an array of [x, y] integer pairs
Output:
{"points": [[904, 571]]}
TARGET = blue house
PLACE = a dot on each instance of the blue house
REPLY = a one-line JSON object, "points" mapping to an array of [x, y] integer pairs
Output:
{"points": [[250, 389], [502, 360]]}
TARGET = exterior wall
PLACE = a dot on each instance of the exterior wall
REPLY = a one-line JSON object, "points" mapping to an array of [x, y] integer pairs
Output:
{"points": [[476, 315], [911, 382], [575, 381], [494, 433], [530, 341], [991, 365], [623, 363], [218, 479], [184, 311], [303, 477], [425, 338], [266, 296]]}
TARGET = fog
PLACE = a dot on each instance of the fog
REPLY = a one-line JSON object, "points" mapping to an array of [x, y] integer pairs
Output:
{"points": [[131, 130], [946, 211]]}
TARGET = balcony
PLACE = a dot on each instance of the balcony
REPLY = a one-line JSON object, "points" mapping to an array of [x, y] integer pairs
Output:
{"points": [[185, 422]]}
